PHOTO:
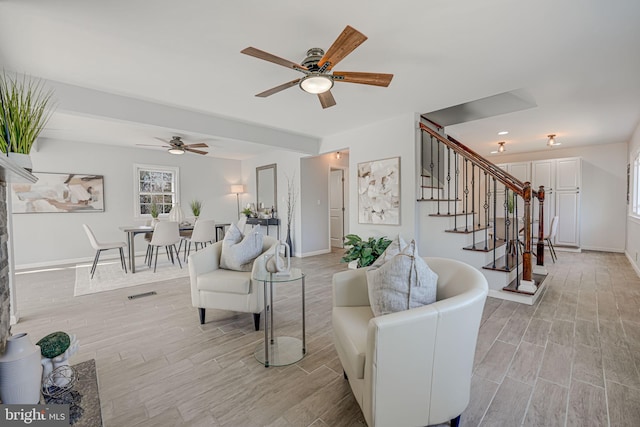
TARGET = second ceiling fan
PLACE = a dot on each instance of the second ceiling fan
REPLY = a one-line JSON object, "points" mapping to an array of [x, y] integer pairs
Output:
{"points": [[317, 66]]}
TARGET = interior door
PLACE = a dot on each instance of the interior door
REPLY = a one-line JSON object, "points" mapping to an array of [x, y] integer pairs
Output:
{"points": [[568, 211], [336, 208]]}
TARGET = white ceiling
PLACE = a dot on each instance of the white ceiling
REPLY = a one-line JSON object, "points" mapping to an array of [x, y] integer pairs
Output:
{"points": [[577, 59]]}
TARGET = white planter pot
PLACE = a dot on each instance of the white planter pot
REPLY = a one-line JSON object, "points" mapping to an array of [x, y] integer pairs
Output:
{"points": [[353, 265], [20, 371], [22, 160]]}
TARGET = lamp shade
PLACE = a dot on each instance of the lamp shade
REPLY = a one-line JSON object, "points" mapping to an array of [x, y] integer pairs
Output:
{"points": [[237, 188]]}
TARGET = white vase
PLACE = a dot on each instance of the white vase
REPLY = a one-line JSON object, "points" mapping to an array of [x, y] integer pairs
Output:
{"points": [[20, 371], [176, 214], [22, 160]]}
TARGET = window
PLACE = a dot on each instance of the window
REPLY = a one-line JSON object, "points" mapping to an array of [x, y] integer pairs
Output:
{"points": [[635, 188], [155, 184]]}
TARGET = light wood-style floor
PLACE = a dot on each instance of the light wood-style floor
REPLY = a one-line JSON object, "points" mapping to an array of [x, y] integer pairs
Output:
{"points": [[571, 360]]}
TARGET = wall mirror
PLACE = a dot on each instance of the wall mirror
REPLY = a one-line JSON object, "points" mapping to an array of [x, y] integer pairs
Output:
{"points": [[266, 187]]}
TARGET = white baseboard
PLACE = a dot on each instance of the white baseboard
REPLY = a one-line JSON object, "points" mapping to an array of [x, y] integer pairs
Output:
{"points": [[57, 262], [633, 263], [603, 249], [320, 252]]}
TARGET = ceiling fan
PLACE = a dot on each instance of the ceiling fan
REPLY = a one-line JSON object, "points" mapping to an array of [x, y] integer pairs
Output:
{"points": [[317, 65], [177, 146]]}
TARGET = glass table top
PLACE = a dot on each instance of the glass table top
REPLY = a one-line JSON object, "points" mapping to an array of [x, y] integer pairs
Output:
{"points": [[265, 276]]}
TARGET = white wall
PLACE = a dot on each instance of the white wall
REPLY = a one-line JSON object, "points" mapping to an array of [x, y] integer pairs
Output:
{"points": [[288, 165], [389, 138], [314, 201], [633, 223], [49, 238], [603, 192]]}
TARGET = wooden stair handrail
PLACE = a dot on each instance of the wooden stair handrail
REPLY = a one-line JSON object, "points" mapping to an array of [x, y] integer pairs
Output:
{"points": [[502, 176]]}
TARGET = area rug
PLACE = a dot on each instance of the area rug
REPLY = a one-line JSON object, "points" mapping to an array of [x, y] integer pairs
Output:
{"points": [[110, 276]]}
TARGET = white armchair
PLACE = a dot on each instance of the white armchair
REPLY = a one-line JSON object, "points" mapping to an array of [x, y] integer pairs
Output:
{"points": [[413, 367], [213, 287]]}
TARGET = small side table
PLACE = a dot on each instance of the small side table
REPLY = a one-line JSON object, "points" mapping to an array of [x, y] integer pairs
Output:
{"points": [[279, 351]]}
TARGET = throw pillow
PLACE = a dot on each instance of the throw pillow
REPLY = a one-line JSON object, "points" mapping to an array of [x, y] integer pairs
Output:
{"points": [[396, 246], [238, 251], [402, 283]]}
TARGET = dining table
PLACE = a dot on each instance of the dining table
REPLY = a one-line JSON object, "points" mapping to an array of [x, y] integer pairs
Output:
{"points": [[132, 230]]}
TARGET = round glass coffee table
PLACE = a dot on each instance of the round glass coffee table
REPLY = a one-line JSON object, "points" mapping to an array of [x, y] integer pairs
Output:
{"points": [[279, 351]]}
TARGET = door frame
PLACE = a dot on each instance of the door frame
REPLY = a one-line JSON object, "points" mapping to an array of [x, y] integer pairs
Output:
{"points": [[345, 200]]}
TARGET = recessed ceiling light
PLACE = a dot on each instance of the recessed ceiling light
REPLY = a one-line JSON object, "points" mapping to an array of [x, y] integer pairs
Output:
{"points": [[494, 152], [503, 132]]}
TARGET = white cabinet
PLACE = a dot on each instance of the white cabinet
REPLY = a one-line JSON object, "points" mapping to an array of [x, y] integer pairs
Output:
{"points": [[561, 179], [521, 171]]}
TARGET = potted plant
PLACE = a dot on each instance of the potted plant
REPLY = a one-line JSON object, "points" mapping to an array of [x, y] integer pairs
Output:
{"points": [[154, 213], [24, 112], [196, 207], [365, 252], [248, 212]]}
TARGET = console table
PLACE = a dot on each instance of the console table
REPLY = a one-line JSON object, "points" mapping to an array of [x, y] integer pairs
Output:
{"points": [[266, 222]]}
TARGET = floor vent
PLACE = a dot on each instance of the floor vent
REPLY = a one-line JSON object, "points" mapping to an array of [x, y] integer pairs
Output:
{"points": [[146, 294]]}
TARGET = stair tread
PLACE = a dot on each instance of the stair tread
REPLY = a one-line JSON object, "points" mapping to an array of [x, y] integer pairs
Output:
{"points": [[489, 244], [513, 287], [461, 229], [430, 186], [501, 263], [435, 200], [451, 215]]}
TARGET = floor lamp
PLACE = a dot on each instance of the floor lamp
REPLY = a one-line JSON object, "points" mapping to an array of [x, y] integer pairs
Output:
{"points": [[238, 189]]}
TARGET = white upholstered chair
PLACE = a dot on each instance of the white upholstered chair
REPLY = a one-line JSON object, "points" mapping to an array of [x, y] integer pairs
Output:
{"points": [[167, 234], [214, 287], [553, 230], [413, 367], [102, 246]]}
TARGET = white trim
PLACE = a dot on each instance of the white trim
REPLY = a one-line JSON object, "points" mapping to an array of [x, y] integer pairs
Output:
{"points": [[603, 249], [136, 180], [13, 319], [633, 263], [314, 253], [60, 262]]}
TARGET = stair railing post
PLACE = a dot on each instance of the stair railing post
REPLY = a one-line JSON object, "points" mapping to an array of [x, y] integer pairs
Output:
{"points": [[527, 268], [487, 194], [438, 168], [540, 244], [457, 183], [448, 181], [431, 166], [507, 227], [495, 225]]}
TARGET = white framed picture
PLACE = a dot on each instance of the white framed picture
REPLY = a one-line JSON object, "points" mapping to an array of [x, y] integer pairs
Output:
{"points": [[379, 192]]}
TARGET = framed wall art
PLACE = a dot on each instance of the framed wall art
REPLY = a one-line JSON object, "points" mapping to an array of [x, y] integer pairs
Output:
{"points": [[59, 192], [379, 192]]}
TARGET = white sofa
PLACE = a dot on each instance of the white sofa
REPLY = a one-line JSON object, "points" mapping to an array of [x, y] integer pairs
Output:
{"points": [[214, 287], [410, 368]]}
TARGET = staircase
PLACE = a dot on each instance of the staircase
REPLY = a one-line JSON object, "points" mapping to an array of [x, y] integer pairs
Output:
{"points": [[471, 210]]}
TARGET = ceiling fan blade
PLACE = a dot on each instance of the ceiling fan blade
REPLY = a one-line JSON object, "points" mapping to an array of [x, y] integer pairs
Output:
{"points": [[261, 54], [193, 150], [196, 145], [277, 89], [347, 41], [326, 99], [154, 145], [376, 79], [162, 140]]}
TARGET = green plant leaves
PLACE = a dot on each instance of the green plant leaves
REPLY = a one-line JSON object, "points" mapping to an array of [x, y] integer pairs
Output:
{"points": [[366, 252], [24, 112]]}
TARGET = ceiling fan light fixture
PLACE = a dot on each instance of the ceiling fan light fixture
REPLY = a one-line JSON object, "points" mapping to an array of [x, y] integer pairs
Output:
{"points": [[316, 84], [552, 140], [501, 148], [176, 150]]}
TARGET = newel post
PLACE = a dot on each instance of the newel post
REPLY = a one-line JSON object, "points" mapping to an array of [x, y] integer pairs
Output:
{"points": [[527, 272], [540, 244]]}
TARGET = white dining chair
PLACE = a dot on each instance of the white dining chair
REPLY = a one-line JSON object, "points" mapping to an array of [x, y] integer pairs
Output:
{"points": [[553, 230], [102, 246], [204, 231], [167, 234]]}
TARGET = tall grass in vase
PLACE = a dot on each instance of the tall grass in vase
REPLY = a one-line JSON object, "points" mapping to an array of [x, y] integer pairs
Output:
{"points": [[25, 108]]}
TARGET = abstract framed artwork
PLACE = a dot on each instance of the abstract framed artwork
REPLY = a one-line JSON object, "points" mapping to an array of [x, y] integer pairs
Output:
{"points": [[379, 192], [59, 192]]}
